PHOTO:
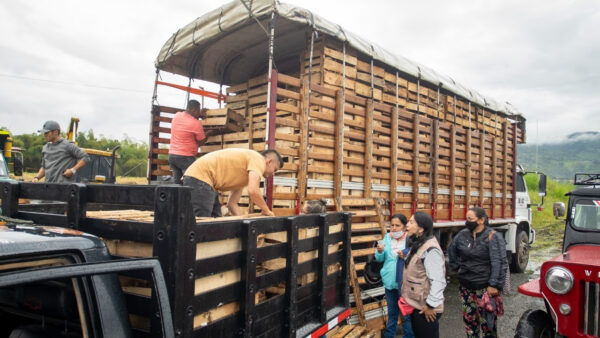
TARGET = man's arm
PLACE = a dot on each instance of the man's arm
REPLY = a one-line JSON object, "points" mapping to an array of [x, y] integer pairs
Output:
{"points": [[41, 173], [255, 194], [82, 157], [232, 203]]}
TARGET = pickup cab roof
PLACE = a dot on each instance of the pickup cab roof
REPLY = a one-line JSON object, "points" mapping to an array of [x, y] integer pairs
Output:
{"points": [[28, 239]]}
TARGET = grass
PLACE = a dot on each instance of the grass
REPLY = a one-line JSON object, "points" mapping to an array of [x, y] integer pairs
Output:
{"points": [[120, 179], [549, 231]]}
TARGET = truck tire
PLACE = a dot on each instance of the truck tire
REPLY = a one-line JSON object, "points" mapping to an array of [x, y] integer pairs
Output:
{"points": [[520, 258], [535, 324]]}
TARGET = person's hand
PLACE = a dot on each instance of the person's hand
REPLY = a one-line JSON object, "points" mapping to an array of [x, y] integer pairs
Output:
{"points": [[268, 212], [401, 254], [35, 180], [429, 313], [492, 291], [68, 173], [380, 248]]}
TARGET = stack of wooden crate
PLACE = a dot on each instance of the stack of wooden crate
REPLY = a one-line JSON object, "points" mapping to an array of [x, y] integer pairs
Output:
{"points": [[377, 142]]}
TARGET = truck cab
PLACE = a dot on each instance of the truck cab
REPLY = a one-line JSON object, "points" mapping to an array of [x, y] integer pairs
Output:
{"points": [[57, 282], [569, 284], [520, 235]]}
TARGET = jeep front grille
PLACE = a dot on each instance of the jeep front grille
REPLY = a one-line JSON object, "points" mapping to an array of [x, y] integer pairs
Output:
{"points": [[591, 309]]}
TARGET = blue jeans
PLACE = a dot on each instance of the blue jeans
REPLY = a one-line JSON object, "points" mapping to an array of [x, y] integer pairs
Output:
{"points": [[391, 296]]}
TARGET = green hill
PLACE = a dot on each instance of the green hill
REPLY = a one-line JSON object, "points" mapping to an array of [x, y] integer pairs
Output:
{"points": [[579, 153], [549, 231]]}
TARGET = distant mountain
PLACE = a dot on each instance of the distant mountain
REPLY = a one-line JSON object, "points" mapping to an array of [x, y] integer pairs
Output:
{"points": [[580, 152]]}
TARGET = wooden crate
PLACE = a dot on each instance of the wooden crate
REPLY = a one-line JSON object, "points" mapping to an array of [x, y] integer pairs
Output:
{"points": [[223, 120]]}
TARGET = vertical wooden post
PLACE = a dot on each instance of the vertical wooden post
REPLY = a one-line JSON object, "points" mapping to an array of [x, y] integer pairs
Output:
{"points": [[338, 174], [272, 120], [303, 168], [481, 161], [452, 170], [394, 161], [250, 116], [514, 169], [416, 146], [494, 175], [468, 172], [505, 169], [433, 165], [368, 148]]}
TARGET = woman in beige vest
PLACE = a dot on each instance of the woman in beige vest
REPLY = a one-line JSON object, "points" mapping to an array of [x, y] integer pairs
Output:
{"points": [[424, 278]]}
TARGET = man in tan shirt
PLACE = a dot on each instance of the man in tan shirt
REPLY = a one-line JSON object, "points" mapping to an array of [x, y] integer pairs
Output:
{"points": [[230, 170]]}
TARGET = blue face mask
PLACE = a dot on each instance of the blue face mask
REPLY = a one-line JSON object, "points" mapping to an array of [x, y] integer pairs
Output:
{"points": [[396, 234]]}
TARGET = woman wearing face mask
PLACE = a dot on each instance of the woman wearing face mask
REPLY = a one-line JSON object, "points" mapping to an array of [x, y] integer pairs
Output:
{"points": [[424, 278], [479, 255], [392, 250]]}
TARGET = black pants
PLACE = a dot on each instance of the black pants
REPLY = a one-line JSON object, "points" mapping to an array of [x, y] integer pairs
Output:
{"points": [[205, 200], [424, 329], [179, 165]]}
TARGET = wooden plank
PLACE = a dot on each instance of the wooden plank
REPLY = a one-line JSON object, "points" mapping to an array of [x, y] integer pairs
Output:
{"points": [[339, 146], [452, 170], [468, 171], [303, 151], [289, 80], [416, 146], [481, 164], [356, 291], [494, 175], [505, 172], [368, 149], [435, 149], [394, 157]]}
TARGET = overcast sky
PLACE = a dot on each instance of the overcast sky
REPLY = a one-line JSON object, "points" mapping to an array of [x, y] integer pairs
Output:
{"points": [[95, 60]]}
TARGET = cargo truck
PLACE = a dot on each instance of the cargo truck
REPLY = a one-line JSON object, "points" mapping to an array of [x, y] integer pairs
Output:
{"points": [[369, 130]]}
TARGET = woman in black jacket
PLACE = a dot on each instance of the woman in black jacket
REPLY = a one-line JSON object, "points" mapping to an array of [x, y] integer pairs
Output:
{"points": [[479, 255]]}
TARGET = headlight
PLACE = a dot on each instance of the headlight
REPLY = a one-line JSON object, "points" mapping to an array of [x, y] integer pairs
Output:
{"points": [[559, 280]]}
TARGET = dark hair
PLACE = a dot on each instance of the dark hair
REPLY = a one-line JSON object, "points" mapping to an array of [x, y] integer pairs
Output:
{"points": [[480, 213], [423, 221], [316, 206], [276, 155], [193, 104], [401, 218]]}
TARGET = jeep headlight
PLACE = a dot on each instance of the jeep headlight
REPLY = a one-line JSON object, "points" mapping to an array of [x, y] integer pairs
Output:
{"points": [[559, 280]]}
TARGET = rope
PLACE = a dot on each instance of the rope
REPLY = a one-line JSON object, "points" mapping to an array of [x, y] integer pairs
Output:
{"points": [[254, 17]]}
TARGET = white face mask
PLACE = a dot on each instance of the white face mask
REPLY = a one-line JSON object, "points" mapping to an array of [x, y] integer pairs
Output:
{"points": [[396, 234]]}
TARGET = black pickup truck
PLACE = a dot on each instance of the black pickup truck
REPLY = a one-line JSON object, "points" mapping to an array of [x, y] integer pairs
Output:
{"points": [[62, 273]]}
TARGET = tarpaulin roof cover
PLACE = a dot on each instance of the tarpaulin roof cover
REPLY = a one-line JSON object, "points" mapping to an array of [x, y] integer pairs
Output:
{"points": [[228, 46]]}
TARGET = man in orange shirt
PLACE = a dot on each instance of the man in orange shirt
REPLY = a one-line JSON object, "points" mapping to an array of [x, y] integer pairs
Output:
{"points": [[187, 134], [230, 170]]}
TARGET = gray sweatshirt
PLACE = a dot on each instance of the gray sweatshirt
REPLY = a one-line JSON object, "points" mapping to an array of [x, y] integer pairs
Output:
{"points": [[60, 156]]}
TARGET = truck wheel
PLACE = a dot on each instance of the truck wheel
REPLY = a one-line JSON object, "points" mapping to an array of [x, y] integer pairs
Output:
{"points": [[535, 324], [521, 257]]}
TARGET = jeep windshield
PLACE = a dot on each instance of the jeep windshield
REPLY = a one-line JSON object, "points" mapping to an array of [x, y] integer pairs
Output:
{"points": [[586, 214]]}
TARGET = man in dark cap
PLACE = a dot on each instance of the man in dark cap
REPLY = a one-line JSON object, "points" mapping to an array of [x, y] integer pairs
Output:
{"points": [[60, 158]]}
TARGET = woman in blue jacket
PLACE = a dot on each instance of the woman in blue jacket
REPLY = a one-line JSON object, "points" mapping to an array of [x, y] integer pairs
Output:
{"points": [[391, 252]]}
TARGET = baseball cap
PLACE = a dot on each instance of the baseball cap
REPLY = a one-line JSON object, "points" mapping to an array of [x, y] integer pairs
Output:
{"points": [[49, 126]]}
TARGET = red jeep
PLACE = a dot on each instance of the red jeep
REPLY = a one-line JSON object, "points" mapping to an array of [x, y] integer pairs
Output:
{"points": [[570, 283]]}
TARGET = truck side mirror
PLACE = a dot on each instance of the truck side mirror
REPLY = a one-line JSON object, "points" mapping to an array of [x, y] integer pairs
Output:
{"points": [[542, 185], [558, 209]]}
